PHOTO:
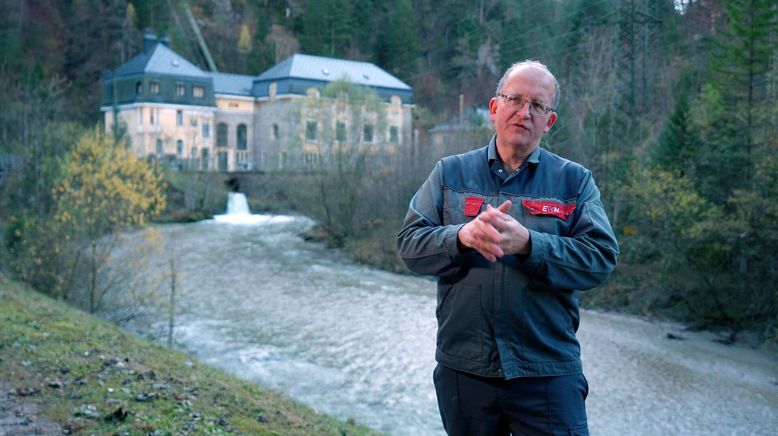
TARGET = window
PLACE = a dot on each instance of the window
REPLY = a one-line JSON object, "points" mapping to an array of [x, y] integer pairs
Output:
{"points": [[179, 118], [242, 137], [198, 91], [221, 135], [275, 131], [140, 116], [206, 157], [151, 116], [311, 131], [394, 134], [367, 133], [160, 147], [222, 160], [154, 88], [242, 160], [192, 121], [206, 130], [138, 89], [179, 148], [193, 152], [180, 90], [340, 132]]}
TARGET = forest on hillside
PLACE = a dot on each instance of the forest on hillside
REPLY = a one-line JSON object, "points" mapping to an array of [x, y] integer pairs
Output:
{"points": [[673, 104]]}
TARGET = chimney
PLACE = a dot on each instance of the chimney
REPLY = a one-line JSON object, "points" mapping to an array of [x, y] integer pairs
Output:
{"points": [[149, 41], [164, 40]]}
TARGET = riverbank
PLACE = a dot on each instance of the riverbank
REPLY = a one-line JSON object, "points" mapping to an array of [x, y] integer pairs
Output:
{"points": [[64, 371]]}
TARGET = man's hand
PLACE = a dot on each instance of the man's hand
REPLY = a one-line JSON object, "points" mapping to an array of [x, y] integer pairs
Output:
{"points": [[494, 233]]}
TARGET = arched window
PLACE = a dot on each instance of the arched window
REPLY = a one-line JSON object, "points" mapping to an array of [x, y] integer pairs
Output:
{"points": [[221, 135], [242, 137]]}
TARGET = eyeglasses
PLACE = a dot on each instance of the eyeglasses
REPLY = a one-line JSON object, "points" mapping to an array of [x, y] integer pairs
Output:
{"points": [[535, 107]]}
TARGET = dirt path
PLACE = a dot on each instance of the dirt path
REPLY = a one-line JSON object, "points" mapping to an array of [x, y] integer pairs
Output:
{"points": [[18, 416]]}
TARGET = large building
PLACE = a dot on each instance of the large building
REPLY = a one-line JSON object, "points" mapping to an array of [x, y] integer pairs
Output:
{"points": [[201, 120]]}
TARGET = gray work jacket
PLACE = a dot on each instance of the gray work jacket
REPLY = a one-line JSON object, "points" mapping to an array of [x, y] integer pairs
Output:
{"points": [[516, 317]]}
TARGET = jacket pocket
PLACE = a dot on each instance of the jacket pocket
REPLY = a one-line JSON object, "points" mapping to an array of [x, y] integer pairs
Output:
{"points": [[460, 322]]}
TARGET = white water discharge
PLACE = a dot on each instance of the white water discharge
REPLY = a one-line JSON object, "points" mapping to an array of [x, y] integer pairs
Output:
{"points": [[352, 341], [238, 212]]}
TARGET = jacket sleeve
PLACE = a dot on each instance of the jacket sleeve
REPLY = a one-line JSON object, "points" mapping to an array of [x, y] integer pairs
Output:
{"points": [[582, 260], [427, 245]]}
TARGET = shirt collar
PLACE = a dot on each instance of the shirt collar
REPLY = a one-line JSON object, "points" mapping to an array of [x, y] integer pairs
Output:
{"points": [[492, 156]]}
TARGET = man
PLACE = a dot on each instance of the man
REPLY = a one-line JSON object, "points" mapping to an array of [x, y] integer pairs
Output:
{"points": [[513, 232]]}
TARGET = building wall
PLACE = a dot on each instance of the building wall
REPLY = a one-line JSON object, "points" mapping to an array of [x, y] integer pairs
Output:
{"points": [[234, 112], [275, 131], [155, 130]]}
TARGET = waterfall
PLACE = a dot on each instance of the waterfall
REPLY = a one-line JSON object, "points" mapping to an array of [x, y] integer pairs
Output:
{"points": [[238, 212]]}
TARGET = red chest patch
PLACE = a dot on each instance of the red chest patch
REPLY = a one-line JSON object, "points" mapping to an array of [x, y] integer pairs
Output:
{"points": [[473, 205], [554, 208]]}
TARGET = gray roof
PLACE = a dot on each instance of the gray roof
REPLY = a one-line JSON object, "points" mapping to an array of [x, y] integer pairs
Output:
{"points": [[235, 84], [160, 60], [328, 69], [473, 118]]}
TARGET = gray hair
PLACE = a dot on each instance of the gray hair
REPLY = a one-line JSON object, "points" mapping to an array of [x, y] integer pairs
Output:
{"points": [[529, 63]]}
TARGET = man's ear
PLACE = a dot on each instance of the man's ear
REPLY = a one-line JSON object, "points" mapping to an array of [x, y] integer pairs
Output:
{"points": [[550, 122], [492, 108]]}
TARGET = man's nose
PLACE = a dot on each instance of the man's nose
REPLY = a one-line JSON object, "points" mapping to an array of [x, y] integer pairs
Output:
{"points": [[523, 110]]}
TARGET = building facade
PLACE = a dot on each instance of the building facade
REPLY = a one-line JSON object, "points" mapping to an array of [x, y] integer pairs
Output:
{"points": [[280, 120]]}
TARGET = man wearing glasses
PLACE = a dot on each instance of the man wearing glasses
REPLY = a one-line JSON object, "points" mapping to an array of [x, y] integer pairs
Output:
{"points": [[513, 233]]}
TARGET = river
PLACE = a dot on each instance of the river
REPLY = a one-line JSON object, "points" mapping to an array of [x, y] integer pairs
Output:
{"points": [[352, 341]]}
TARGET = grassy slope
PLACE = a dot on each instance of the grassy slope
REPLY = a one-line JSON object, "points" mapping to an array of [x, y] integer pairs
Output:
{"points": [[91, 377]]}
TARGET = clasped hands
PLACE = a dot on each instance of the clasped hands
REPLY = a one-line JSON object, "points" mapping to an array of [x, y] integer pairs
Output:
{"points": [[494, 233]]}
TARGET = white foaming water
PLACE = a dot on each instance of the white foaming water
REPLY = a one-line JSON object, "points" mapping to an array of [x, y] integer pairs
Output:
{"points": [[352, 341], [238, 212]]}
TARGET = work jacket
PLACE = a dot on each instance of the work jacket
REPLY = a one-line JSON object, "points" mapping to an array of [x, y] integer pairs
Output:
{"points": [[516, 317]]}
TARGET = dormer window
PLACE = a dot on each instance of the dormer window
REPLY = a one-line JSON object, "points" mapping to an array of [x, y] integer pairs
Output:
{"points": [[138, 89], [154, 88], [180, 90], [198, 91]]}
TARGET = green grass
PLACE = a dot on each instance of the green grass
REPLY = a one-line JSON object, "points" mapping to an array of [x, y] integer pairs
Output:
{"points": [[90, 377]]}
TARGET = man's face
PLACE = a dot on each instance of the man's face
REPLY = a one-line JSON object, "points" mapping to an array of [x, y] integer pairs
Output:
{"points": [[518, 128]]}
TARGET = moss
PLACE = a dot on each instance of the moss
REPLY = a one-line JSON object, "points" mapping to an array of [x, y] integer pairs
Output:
{"points": [[91, 377]]}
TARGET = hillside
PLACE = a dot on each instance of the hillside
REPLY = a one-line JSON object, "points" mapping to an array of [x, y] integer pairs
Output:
{"points": [[62, 370]]}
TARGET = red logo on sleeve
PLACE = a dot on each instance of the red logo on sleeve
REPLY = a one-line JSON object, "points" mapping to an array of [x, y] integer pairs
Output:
{"points": [[543, 207], [473, 205]]}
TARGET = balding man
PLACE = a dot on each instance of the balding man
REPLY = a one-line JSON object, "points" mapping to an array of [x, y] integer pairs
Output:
{"points": [[513, 232]]}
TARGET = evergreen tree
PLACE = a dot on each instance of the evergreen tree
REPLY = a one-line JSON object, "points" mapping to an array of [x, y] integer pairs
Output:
{"points": [[678, 147], [326, 28], [746, 49], [399, 41]]}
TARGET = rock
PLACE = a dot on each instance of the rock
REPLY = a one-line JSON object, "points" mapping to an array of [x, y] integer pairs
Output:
{"points": [[87, 411], [675, 337], [55, 384], [112, 361], [26, 392], [151, 396], [117, 415], [64, 370]]}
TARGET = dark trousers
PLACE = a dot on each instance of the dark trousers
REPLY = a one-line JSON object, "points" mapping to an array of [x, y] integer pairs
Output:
{"points": [[471, 405]]}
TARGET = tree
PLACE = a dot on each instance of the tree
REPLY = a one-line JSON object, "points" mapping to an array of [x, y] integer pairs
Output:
{"points": [[398, 43], [349, 137], [326, 28], [746, 51], [104, 192]]}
